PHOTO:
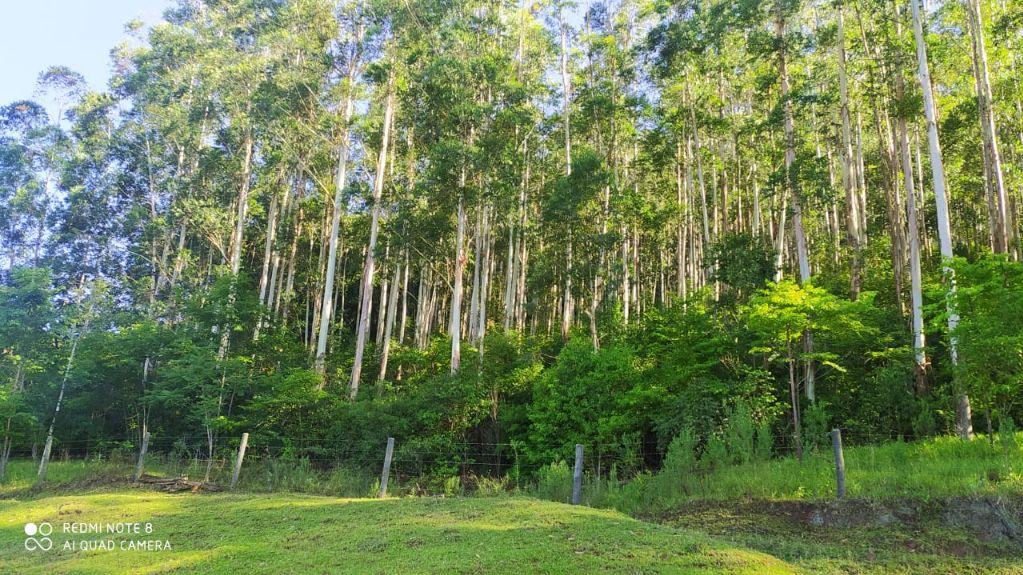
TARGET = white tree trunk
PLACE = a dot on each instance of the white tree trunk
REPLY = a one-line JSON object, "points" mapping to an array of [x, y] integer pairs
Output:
{"points": [[994, 176], [374, 230], [340, 181], [455, 322], [849, 177], [964, 421], [237, 240]]}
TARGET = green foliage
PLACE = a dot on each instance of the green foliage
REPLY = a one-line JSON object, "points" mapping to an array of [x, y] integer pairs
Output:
{"points": [[554, 482], [679, 461], [764, 442], [715, 454], [579, 399], [816, 426], [739, 433], [990, 333], [743, 262], [192, 204], [1007, 433]]}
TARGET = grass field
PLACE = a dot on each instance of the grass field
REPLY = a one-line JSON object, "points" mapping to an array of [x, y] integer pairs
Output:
{"points": [[290, 533], [749, 518], [297, 533]]}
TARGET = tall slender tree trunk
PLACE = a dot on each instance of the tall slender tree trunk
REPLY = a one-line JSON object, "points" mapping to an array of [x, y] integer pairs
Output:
{"points": [[566, 84], [698, 157], [849, 178], [237, 240], [264, 274], [994, 177], [964, 418], [802, 255], [374, 230], [455, 322], [340, 181], [392, 306], [680, 232], [44, 462], [912, 220]]}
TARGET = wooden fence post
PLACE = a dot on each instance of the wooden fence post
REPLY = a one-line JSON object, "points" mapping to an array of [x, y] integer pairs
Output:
{"points": [[577, 475], [238, 461], [836, 444], [386, 473], [142, 456]]}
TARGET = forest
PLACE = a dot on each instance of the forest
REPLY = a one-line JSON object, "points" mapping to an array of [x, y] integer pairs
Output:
{"points": [[471, 224]]}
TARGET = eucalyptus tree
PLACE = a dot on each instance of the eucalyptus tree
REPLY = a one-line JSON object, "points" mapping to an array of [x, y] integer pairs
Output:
{"points": [[28, 150], [352, 56], [26, 315], [998, 202], [964, 423], [376, 207]]}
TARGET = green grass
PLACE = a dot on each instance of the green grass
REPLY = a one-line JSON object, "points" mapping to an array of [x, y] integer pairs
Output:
{"points": [[933, 469], [21, 473], [744, 518], [291, 533], [922, 546], [940, 467], [266, 476]]}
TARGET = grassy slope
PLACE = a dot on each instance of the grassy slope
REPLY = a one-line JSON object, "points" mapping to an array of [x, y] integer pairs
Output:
{"points": [[940, 467], [924, 546], [289, 533]]}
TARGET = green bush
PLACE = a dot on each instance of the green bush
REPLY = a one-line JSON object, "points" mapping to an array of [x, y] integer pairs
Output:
{"points": [[764, 442], [679, 463], [738, 433], [716, 452], [1007, 433], [554, 482]]}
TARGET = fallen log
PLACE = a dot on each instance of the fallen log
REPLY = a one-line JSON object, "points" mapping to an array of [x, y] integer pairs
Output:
{"points": [[178, 484]]}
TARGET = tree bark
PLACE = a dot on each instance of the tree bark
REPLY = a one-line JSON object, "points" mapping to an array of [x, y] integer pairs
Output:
{"points": [[964, 423], [374, 229]]}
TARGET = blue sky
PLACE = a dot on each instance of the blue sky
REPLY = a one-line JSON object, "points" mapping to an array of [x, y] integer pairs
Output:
{"points": [[36, 34]]}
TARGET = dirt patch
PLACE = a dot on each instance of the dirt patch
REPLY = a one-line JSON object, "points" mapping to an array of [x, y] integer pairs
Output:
{"points": [[177, 484]]}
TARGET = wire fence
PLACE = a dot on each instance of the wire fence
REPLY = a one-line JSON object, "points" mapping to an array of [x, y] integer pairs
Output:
{"points": [[323, 464]]}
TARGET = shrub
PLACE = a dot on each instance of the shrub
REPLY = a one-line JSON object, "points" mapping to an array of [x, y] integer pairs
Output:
{"points": [[716, 452], [679, 463], [1007, 433], [453, 486], [815, 426], [739, 430], [764, 443], [554, 482]]}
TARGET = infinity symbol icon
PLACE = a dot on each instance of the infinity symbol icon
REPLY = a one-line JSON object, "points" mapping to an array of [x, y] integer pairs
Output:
{"points": [[43, 543]]}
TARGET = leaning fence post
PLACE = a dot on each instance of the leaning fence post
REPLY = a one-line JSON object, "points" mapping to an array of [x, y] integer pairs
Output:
{"points": [[836, 444], [386, 473], [238, 461], [577, 475], [142, 456]]}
